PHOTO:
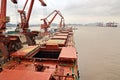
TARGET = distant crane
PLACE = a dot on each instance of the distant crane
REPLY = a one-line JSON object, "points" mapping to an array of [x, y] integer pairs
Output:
{"points": [[47, 23]]}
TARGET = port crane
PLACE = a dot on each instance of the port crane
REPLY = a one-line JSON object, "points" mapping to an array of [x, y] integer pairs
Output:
{"points": [[24, 25], [8, 43], [46, 24]]}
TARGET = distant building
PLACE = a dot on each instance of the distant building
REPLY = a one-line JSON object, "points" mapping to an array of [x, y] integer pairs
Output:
{"points": [[111, 24]]}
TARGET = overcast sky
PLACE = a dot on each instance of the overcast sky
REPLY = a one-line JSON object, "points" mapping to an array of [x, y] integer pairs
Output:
{"points": [[74, 11]]}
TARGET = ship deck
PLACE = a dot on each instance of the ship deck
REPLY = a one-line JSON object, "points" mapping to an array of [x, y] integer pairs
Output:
{"points": [[23, 75], [47, 60]]}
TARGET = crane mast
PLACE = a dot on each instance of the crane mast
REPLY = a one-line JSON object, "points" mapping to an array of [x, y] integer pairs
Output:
{"points": [[3, 18], [3, 15]]}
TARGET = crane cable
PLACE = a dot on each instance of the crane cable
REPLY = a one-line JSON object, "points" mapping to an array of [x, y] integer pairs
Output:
{"points": [[44, 11], [16, 15]]}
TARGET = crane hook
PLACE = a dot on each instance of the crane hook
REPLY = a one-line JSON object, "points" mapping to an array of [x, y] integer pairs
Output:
{"points": [[43, 3], [14, 1]]}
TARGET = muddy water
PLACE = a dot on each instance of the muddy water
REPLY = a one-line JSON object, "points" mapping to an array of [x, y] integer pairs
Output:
{"points": [[99, 52]]}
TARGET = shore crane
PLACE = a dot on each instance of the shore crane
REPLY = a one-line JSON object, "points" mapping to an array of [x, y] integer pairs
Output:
{"points": [[24, 25], [46, 24], [8, 43]]}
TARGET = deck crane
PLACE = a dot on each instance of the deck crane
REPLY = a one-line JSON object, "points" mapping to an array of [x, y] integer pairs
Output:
{"points": [[24, 25], [8, 43], [46, 24]]}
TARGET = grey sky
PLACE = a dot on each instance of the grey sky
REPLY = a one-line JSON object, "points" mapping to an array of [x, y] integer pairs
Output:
{"points": [[74, 11]]}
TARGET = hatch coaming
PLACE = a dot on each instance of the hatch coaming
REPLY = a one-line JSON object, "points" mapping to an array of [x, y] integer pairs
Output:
{"points": [[47, 54]]}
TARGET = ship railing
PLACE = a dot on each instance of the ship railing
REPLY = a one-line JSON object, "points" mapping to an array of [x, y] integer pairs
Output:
{"points": [[65, 77]]}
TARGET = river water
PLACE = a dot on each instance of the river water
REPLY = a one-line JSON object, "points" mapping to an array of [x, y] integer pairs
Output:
{"points": [[99, 52]]}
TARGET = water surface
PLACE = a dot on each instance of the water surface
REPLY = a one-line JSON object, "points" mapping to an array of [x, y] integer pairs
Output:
{"points": [[99, 52]]}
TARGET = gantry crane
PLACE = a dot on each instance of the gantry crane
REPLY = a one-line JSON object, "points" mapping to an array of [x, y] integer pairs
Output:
{"points": [[8, 43], [46, 24], [24, 25]]}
